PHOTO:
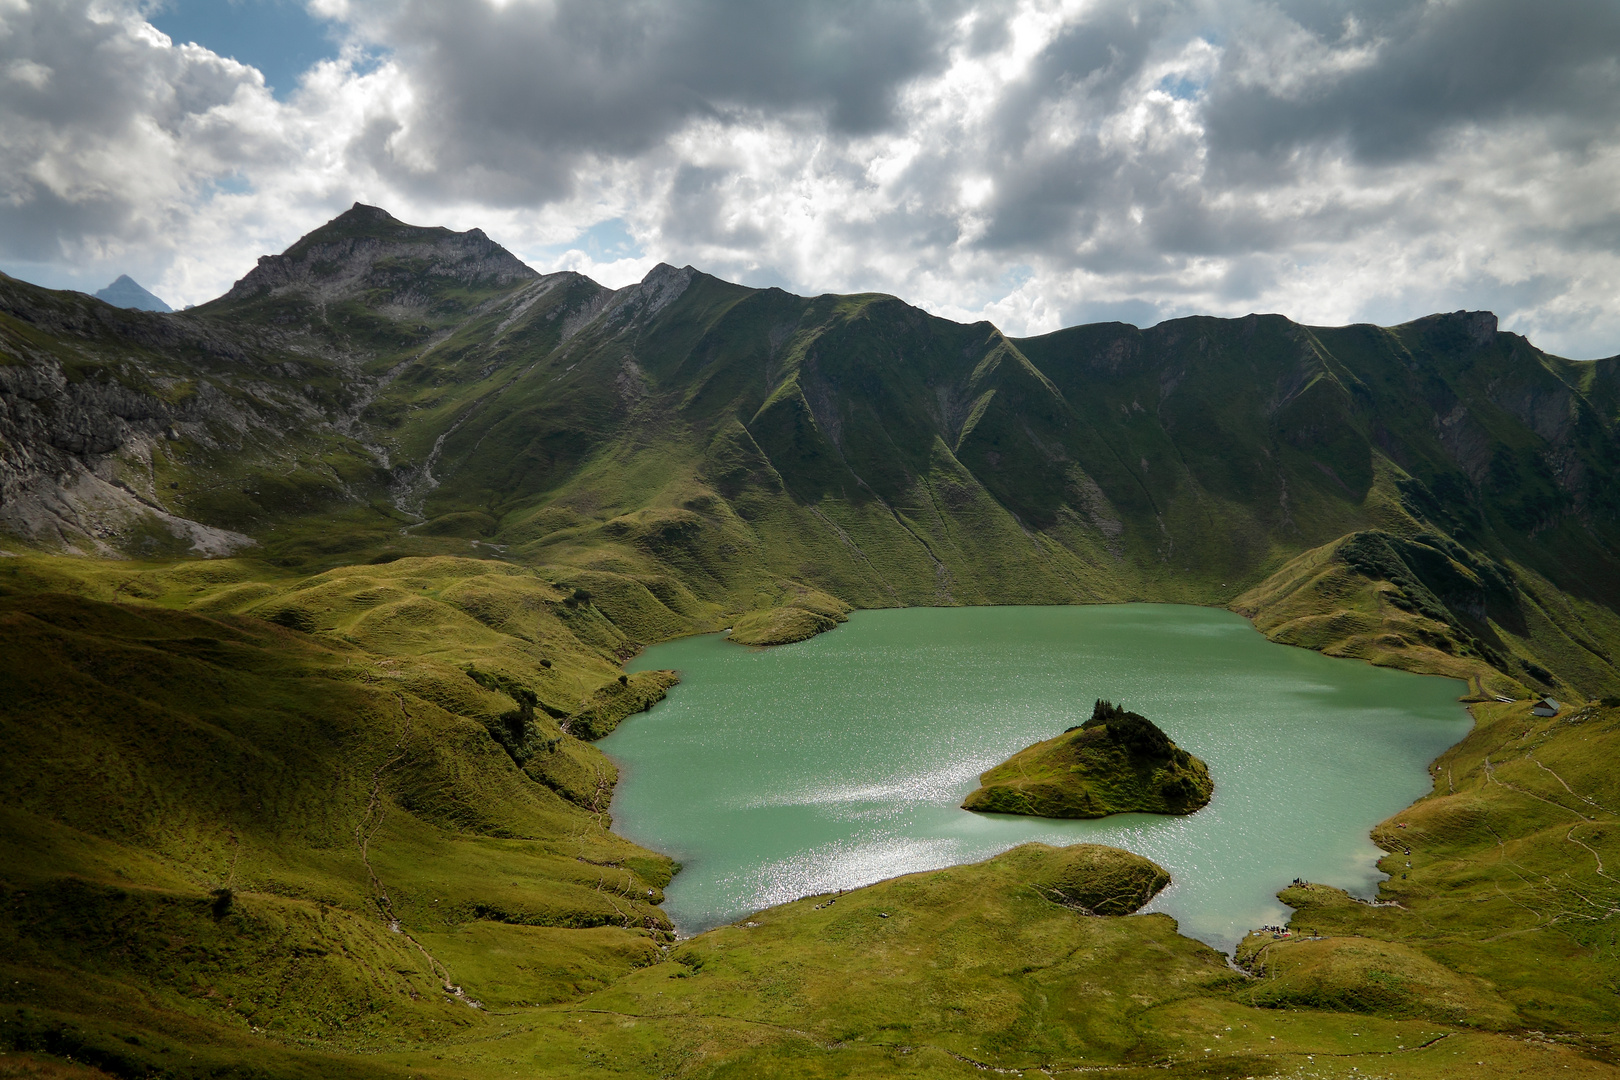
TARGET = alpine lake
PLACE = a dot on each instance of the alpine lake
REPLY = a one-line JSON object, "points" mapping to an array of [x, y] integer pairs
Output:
{"points": [[773, 774]]}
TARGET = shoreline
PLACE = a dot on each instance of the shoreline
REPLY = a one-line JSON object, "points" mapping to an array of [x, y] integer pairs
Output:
{"points": [[1373, 874]]}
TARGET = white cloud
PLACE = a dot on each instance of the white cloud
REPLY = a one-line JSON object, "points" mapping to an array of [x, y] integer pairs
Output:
{"points": [[1035, 163], [30, 74]]}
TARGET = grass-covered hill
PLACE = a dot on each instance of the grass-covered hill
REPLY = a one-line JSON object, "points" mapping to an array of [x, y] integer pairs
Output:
{"points": [[315, 596], [1117, 762]]}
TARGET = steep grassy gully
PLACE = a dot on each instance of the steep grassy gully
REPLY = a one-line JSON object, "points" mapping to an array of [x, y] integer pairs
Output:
{"points": [[325, 801]]}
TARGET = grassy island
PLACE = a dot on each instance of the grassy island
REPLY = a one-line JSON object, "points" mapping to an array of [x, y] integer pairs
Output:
{"points": [[1117, 762], [798, 613]]}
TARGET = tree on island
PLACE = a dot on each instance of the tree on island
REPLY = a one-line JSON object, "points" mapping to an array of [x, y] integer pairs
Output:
{"points": [[1135, 732]]}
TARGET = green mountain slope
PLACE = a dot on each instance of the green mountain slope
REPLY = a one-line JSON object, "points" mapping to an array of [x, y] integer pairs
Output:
{"points": [[386, 389], [319, 592], [884, 456]]}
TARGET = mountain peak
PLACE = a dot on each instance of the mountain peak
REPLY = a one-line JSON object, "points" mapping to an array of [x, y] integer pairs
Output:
{"points": [[360, 212], [366, 250], [661, 286], [125, 292], [1477, 327]]}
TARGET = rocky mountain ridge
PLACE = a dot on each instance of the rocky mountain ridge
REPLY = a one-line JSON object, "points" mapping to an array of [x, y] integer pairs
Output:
{"points": [[438, 392]]}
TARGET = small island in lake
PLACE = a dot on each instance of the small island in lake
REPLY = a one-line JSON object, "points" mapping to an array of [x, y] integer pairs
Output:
{"points": [[1117, 762]]}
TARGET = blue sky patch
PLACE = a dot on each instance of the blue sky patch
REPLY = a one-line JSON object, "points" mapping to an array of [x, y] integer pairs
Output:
{"points": [[279, 37], [231, 184], [606, 241], [1181, 87]]}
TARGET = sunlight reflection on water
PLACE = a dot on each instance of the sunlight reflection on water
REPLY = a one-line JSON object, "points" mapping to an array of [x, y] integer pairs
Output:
{"points": [[774, 774]]}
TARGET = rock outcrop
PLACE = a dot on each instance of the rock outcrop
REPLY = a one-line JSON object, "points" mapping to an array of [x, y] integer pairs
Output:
{"points": [[1115, 763]]}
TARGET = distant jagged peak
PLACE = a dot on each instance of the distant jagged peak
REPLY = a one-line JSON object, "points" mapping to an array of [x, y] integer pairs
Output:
{"points": [[664, 274], [127, 293], [662, 286], [366, 250]]}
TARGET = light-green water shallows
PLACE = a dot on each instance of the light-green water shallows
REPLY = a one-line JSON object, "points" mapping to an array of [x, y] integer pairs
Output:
{"points": [[839, 761]]}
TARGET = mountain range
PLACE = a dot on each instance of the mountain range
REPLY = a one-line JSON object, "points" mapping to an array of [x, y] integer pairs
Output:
{"points": [[369, 537], [437, 395]]}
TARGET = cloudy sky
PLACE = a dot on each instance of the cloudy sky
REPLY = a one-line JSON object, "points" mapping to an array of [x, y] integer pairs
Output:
{"points": [[1035, 162]]}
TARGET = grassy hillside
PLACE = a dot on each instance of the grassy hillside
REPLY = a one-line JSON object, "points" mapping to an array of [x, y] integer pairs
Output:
{"points": [[258, 831], [1499, 912], [315, 597]]}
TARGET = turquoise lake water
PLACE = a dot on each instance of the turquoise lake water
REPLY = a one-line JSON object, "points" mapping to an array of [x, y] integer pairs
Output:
{"points": [[778, 773]]}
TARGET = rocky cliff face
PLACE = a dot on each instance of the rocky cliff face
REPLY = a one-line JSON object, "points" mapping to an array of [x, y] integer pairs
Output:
{"points": [[129, 432], [98, 407]]}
